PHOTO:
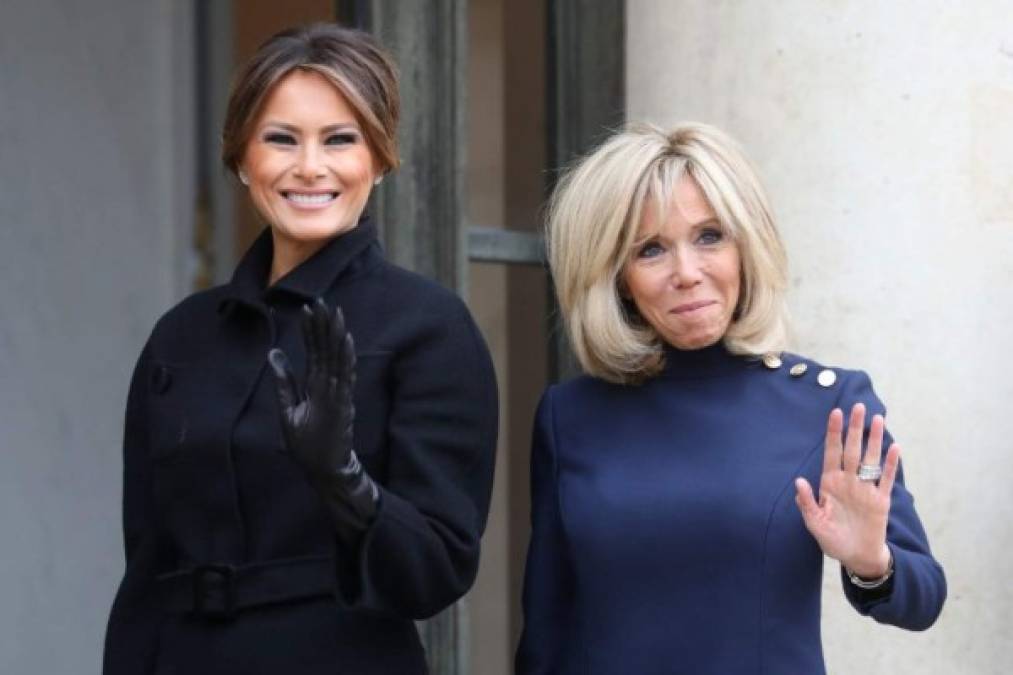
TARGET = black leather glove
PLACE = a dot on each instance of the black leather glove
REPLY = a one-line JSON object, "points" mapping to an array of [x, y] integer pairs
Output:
{"points": [[317, 419]]}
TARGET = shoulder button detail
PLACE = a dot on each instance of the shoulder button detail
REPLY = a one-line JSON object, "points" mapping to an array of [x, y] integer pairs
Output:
{"points": [[798, 370], [772, 361], [161, 379], [826, 378]]}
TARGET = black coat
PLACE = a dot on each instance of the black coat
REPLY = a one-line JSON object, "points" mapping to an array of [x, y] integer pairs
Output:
{"points": [[231, 563]]}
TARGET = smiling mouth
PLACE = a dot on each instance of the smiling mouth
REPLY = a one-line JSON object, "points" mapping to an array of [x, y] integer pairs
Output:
{"points": [[690, 307], [310, 198]]}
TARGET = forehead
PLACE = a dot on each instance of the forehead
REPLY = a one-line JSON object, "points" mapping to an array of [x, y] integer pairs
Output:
{"points": [[305, 95], [680, 205]]}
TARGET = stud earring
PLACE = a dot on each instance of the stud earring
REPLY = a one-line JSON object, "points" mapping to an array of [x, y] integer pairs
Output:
{"points": [[243, 178], [377, 180]]}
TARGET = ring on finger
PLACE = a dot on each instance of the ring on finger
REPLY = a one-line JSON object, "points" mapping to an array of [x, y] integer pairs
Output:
{"points": [[870, 473]]}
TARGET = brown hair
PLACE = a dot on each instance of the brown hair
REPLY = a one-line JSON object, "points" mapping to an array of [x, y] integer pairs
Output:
{"points": [[350, 59]]}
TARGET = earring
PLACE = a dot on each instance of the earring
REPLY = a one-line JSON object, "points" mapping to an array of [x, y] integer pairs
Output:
{"points": [[243, 178], [378, 180]]}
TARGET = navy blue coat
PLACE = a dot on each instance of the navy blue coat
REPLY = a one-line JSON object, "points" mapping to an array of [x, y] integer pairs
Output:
{"points": [[231, 563], [665, 534]]}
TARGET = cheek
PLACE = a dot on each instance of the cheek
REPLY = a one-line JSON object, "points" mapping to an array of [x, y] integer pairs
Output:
{"points": [[731, 276], [643, 288], [356, 171], [655, 281], [730, 281], [264, 169], [261, 198]]}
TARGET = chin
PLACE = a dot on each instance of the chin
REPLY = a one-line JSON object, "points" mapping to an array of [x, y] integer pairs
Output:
{"points": [[698, 341], [691, 346], [307, 232]]}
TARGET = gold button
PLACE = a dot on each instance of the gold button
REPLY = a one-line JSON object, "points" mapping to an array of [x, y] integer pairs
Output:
{"points": [[798, 370], [772, 361], [826, 378]]}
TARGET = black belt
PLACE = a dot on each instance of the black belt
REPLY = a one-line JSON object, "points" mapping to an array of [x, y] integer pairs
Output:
{"points": [[221, 590]]}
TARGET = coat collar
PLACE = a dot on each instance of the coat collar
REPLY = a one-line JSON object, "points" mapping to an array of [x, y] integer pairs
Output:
{"points": [[309, 280], [713, 361]]}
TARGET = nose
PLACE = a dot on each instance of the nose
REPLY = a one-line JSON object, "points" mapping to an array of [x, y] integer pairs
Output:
{"points": [[309, 165], [686, 270]]}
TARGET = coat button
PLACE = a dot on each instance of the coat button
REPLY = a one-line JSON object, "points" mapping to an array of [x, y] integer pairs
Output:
{"points": [[826, 378], [798, 370], [772, 361], [161, 379]]}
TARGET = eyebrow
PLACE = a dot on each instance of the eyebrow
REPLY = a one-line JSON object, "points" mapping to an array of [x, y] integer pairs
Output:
{"points": [[656, 234], [330, 128], [708, 222], [645, 238]]}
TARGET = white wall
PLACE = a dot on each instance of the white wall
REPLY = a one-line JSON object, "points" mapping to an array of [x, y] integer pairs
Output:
{"points": [[884, 132], [95, 209]]}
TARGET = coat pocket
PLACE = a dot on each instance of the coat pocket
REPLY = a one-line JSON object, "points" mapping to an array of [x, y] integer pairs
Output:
{"points": [[186, 409]]}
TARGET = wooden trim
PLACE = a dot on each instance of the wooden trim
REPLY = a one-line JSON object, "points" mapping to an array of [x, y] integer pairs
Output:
{"points": [[496, 245]]}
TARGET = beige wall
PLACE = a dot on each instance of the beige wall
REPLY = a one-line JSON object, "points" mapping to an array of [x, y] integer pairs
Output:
{"points": [[505, 173], [489, 617], [885, 134]]}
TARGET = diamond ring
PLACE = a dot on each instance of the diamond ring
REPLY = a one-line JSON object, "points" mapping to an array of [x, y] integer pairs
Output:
{"points": [[870, 473]]}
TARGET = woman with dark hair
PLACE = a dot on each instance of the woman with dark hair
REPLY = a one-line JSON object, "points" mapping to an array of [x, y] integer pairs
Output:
{"points": [[687, 488], [284, 523]]}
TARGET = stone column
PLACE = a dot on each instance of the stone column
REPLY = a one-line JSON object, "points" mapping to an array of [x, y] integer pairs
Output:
{"points": [[419, 209], [586, 100]]}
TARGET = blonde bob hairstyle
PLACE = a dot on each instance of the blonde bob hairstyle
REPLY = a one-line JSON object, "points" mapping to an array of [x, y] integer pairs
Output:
{"points": [[593, 217]]}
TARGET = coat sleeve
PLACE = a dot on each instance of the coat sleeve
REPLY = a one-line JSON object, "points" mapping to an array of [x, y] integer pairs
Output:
{"points": [[548, 600], [132, 631], [914, 596], [421, 552]]}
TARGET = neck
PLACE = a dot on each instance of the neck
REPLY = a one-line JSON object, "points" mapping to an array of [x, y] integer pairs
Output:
{"points": [[704, 362], [289, 254]]}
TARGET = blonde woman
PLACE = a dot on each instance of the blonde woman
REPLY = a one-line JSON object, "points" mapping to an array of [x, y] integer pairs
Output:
{"points": [[686, 489]]}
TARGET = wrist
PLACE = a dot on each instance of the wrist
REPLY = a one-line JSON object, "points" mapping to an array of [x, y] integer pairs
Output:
{"points": [[871, 567], [876, 572], [351, 469]]}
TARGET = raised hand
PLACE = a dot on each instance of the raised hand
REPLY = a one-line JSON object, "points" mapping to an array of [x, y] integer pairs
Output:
{"points": [[317, 419], [849, 520]]}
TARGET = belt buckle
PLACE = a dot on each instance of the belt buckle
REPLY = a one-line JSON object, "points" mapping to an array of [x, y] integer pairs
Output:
{"points": [[214, 591]]}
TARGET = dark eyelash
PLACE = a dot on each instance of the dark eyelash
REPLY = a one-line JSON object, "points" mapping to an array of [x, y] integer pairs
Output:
{"points": [[284, 139], [644, 250], [713, 234], [341, 139]]}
